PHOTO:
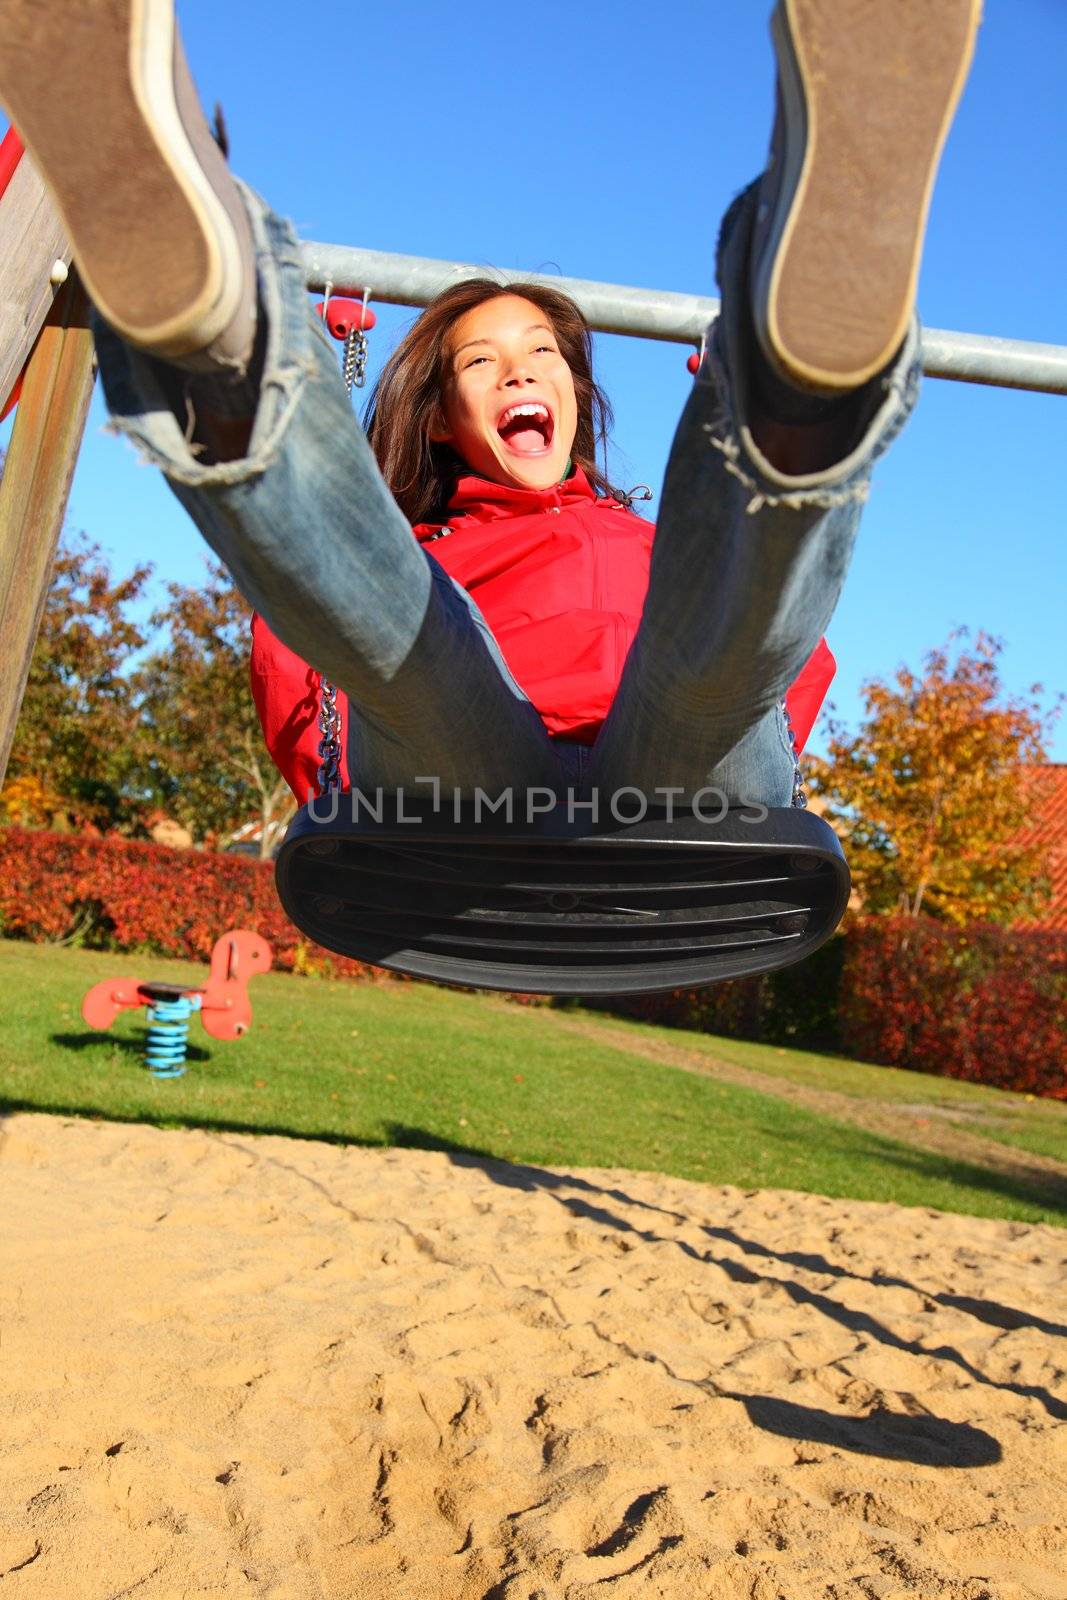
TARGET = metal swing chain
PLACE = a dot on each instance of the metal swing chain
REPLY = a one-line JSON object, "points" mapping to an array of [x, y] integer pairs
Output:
{"points": [[355, 359], [355, 348], [330, 741], [800, 799], [355, 376]]}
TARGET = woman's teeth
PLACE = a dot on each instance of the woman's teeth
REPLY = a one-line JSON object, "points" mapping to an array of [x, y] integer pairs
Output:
{"points": [[526, 440]]}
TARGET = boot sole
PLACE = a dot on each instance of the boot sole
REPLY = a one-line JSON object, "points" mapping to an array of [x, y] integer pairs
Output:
{"points": [[93, 87], [872, 89]]}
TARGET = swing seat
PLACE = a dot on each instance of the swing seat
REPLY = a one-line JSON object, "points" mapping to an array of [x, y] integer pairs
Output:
{"points": [[563, 906]]}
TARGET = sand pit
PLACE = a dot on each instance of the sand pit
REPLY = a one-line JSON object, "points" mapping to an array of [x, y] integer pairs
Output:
{"points": [[238, 1366]]}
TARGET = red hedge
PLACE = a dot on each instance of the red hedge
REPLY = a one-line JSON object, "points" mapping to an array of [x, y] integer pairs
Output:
{"points": [[113, 893], [984, 1003]]}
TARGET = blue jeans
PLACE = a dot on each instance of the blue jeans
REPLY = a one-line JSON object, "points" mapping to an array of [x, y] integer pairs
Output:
{"points": [[747, 567]]}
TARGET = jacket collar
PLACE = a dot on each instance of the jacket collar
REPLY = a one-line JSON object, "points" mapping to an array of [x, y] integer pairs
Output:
{"points": [[485, 501]]}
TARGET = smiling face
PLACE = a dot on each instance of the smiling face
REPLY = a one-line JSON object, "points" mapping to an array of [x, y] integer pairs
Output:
{"points": [[508, 398]]}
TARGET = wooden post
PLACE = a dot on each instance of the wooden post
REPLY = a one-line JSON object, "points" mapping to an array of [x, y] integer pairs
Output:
{"points": [[38, 470], [31, 241]]}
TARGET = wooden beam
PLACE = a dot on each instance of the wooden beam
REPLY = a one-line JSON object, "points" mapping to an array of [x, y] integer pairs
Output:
{"points": [[31, 241], [35, 486]]}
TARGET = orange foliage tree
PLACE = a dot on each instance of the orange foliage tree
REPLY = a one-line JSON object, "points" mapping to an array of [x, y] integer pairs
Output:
{"points": [[206, 757], [75, 753], [29, 801], [927, 798]]}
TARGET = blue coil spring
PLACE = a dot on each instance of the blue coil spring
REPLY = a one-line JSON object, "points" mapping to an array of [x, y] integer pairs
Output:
{"points": [[168, 1035]]}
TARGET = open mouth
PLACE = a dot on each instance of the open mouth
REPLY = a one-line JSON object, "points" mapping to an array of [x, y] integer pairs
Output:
{"points": [[527, 429]]}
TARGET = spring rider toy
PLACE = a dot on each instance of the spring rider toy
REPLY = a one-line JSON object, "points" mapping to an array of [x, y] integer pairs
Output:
{"points": [[223, 1003]]}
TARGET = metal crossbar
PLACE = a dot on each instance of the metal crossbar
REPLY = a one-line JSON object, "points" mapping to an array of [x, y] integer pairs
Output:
{"points": [[664, 314]]}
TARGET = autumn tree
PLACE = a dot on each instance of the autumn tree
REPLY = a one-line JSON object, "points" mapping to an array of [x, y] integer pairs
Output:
{"points": [[927, 797], [74, 755], [207, 761]]}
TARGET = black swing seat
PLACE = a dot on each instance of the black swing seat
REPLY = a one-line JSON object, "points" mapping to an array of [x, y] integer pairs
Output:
{"points": [[563, 906]]}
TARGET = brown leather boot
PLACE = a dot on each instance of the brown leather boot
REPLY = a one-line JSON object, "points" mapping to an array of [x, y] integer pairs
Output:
{"points": [[100, 93], [866, 93]]}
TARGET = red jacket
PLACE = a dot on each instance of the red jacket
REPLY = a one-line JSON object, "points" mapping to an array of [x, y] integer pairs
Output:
{"points": [[560, 576]]}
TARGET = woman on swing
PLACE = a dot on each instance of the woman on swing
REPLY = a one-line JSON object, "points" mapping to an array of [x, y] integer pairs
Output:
{"points": [[531, 633]]}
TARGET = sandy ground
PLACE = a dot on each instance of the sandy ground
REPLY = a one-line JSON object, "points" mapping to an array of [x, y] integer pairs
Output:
{"points": [[237, 1366]]}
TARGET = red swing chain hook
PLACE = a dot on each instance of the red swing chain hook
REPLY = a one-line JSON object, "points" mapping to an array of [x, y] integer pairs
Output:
{"points": [[696, 360], [349, 321]]}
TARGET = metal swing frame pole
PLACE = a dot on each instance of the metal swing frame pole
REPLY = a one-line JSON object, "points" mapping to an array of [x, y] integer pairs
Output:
{"points": [[666, 315]]}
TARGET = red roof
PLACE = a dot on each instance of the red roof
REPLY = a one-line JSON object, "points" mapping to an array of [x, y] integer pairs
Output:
{"points": [[1046, 791]]}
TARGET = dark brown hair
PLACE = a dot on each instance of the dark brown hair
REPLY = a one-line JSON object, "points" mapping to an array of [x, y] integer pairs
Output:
{"points": [[404, 406]]}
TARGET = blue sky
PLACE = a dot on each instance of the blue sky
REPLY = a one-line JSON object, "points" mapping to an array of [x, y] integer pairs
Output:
{"points": [[603, 140]]}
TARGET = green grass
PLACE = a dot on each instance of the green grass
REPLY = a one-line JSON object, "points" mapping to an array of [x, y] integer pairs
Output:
{"points": [[418, 1066], [1024, 1122]]}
